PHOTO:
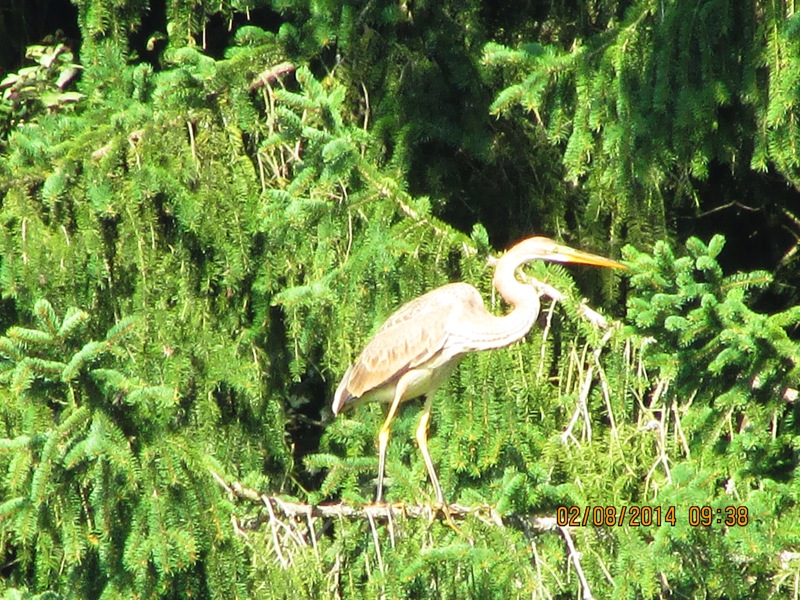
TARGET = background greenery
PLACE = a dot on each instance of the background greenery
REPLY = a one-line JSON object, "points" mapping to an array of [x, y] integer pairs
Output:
{"points": [[208, 207]]}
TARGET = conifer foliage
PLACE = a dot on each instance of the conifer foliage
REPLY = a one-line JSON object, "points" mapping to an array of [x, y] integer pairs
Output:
{"points": [[192, 250], [103, 491], [643, 111]]}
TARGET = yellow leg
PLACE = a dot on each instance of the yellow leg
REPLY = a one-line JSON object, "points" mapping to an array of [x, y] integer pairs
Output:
{"points": [[422, 442], [383, 436]]}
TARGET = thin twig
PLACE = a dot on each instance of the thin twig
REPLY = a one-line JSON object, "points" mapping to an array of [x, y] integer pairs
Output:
{"points": [[576, 561], [376, 540], [272, 520]]}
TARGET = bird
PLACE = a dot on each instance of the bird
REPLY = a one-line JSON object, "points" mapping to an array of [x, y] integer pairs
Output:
{"points": [[419, 345]]}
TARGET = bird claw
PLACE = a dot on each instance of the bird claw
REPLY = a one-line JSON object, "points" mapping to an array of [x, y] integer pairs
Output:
{"points": [[443, 508]]}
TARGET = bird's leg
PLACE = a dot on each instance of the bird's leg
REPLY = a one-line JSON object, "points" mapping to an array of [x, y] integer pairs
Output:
{"points": [[422, 442], [383, 436]]}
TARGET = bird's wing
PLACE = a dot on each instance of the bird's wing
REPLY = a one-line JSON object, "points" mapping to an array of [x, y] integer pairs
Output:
{"points": [[411, 336]]}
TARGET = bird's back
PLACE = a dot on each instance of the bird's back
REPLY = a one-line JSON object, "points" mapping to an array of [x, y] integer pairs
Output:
{"points": [[414, 335]]}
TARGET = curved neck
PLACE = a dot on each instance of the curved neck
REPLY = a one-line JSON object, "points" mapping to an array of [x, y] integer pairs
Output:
{"points": [[505, 281], [485, 331]]}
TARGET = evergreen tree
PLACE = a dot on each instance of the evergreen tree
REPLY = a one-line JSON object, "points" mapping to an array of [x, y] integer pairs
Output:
{"points": [[216, 235]]}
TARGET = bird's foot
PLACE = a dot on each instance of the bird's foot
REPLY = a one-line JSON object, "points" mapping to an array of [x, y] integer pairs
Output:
{"points": [[444, 508]]}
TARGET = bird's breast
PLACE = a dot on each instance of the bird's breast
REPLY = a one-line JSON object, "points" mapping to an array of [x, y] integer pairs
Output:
{"points": [[418, 381]]}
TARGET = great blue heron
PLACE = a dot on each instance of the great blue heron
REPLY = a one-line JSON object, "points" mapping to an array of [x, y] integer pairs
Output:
{"points": [[417, 347]]}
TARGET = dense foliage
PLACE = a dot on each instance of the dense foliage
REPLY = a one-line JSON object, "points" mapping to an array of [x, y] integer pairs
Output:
{"points": [[196, 240]]}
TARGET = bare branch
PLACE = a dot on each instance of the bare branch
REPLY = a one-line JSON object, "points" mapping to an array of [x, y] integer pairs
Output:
{"points": [[279, 507], [271, 75]]}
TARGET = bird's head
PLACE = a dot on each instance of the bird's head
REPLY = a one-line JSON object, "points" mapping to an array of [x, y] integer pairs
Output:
{"points": [[542, 248]]}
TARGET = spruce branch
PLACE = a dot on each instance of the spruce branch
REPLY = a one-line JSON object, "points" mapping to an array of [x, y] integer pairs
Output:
{"points": [[289, 509]]}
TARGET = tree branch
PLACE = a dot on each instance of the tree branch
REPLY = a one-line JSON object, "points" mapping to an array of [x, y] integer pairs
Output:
{"points": [[277, 507]]}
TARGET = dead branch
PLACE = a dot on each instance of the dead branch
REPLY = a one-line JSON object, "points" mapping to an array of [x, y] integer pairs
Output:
{"points": [[280, 507], [271, 75]]}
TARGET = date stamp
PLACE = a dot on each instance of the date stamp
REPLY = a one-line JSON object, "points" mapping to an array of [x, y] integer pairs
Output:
{"points": [[648, 516]]}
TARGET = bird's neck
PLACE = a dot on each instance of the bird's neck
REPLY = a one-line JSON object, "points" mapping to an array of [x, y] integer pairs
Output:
{"points": [[516, 293], [486, 331]]}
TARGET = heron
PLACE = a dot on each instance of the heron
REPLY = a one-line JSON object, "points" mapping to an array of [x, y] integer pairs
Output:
{"points": [[420, 345]]}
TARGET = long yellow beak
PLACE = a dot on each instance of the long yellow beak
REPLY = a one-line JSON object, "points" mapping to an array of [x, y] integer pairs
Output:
{"points": [[566, 254]]}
